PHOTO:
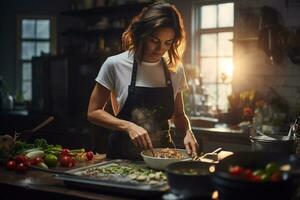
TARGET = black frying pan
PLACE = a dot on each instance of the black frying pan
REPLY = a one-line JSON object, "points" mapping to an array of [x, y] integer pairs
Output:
{"points": [[233, 187]]}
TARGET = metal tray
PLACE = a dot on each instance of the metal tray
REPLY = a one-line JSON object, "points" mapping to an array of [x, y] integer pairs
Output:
{"points": [[115, 184]]}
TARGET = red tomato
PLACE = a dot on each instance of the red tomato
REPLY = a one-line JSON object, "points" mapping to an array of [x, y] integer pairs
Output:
{"points": [[65, 152], [27, 163], [21, 168], [248, 173], [11, 165], [67, 161], [276, 177], [36, 160], [236, 170], [20, 159], [254, 178], [89, 155]]}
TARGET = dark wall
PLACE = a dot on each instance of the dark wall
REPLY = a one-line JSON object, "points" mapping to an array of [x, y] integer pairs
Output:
{"points": [[10, 9], [185, 8]]}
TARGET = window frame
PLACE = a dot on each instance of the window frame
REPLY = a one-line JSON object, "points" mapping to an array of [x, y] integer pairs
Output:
{"points": [[19, 61], [196, 33]]}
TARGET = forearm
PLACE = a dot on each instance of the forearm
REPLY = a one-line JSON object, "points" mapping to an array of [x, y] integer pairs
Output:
{"points": [[182, 123], [102, 118]]}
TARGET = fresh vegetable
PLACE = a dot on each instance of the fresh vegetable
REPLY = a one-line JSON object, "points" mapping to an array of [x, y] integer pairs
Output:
{"points": [[65, 152], [271, 172], [11, 165], [36, 160], [66, 161], [30, 150], [20, 159], [50, 160], [42, 165], [18, 155], [89, 155], [34, 154], [21, 168]]}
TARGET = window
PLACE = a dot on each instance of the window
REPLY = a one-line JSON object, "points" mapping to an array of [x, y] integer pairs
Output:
{"points": [[35, 37], [212, 50]]}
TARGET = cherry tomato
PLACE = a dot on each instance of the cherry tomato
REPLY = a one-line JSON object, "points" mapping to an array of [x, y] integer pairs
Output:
{"points": [[36, 160], [89, 155], [65, 152], [254, 178], [11, 165], [21, 168], [27, 163], [276, 177], [236, 170], [20, 159], [67, 161], [248, 173]]}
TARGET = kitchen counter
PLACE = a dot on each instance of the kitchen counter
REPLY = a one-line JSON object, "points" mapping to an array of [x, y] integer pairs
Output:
{"points": [[36, 184], [222, 136]]}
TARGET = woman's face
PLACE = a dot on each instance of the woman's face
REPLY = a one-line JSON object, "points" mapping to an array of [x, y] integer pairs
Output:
{"points": [[157, 44]]}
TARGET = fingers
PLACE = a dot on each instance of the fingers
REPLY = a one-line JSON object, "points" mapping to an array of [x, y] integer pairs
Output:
{"points": [[188, 149], [149, 143], [141, 139], [195, 147]]}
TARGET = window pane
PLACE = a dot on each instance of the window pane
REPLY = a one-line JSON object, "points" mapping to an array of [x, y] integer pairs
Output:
{"points": [[42, 47], [209, 70], [27, 50], [225, 46], [209, 16], [43, 29], [212, 93], [224, 91], [27, 73], [225, 15], [225, 70], [28, 28], [208, 44], [27, 90]]}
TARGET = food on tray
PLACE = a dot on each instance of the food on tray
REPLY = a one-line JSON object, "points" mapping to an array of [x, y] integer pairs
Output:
{"points": [[169, 153], [125, 172]]}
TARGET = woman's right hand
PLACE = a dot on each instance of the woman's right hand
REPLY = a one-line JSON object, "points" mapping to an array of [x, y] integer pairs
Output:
{"points": [[139, 136]]}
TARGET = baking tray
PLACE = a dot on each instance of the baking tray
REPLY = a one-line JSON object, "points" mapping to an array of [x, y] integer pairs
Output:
{"points": [[114, 183]]}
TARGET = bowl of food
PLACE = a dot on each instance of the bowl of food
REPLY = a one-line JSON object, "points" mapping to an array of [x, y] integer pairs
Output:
{"points": [[163, 157], [257, 175], [191, 179]]}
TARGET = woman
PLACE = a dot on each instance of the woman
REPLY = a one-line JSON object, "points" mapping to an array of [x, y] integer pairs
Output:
{"points": [[145, 88]]}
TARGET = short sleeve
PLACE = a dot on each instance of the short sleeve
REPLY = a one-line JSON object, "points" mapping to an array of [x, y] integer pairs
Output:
{"points": [[182, 79], [106, 75]]}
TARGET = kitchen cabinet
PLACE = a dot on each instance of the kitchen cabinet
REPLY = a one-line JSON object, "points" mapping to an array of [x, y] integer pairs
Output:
{"points": [[99, 30]]}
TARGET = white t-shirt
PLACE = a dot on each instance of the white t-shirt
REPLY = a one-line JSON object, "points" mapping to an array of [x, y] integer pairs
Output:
{"points": [[115, 75]]}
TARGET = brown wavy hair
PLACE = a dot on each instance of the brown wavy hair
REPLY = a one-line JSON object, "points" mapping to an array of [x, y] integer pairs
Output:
{"points": [[147, 22]]}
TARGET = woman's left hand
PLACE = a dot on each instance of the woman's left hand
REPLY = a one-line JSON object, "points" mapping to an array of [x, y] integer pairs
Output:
{"points": [[191, 143]]}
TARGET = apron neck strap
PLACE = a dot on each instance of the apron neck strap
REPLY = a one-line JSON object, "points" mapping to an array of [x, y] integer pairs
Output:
{"points": [[166, 72]]}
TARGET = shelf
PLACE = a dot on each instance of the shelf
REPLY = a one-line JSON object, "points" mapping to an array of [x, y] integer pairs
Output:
{"points": [[121, 10], [92, 33]]}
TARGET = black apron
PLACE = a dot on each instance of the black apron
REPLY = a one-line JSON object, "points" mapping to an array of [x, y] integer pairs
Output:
{"points": [[148, 107]]}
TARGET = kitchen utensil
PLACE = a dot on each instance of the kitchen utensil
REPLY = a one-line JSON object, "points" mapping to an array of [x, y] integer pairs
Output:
{"points": [[292, 130], [190, 179], [213, 156], [236, 187], [42, 124], [273, 143], [161, 163]]}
